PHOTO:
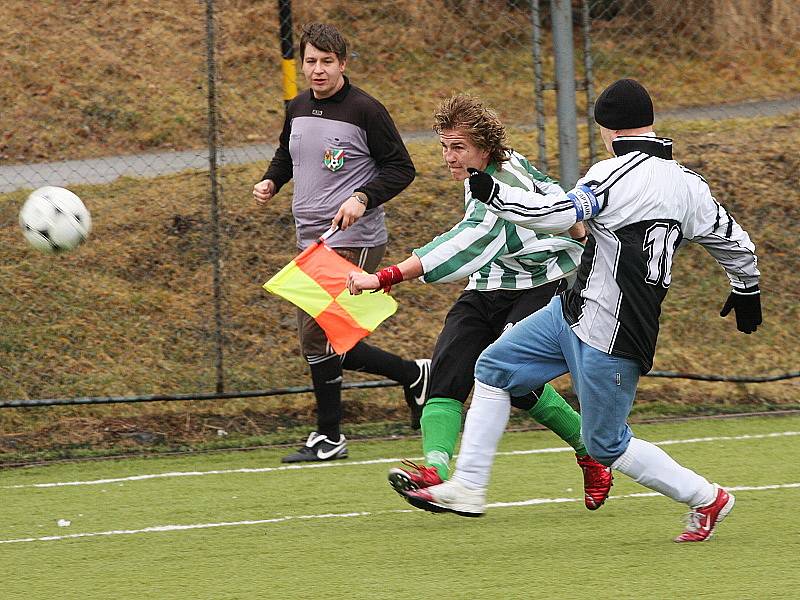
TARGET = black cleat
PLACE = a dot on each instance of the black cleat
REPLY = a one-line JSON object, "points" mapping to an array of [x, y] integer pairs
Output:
{"points": [[416, 394], [318, 448]]}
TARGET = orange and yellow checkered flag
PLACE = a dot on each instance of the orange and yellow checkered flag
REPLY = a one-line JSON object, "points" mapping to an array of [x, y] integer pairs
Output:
{"points": [[316, 282]]}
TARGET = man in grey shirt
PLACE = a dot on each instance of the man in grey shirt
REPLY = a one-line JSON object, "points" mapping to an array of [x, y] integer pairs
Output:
{"points": [[346, 157]]}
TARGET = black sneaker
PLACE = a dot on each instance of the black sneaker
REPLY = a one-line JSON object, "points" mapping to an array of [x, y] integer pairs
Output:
{"points": [[417, 393], [318, 447]]}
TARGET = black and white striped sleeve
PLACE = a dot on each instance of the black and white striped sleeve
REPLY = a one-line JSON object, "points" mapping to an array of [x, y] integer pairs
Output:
{"points": [[717, 231], [551, 213]]}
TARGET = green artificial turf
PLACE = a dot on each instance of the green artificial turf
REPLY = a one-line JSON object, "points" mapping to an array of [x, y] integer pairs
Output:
{"points": [[340, 531]]}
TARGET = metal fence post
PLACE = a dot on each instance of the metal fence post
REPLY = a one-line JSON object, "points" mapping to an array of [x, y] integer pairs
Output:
{"points": [[561, 14], [538, 82], [213, 125], [588, 72]]}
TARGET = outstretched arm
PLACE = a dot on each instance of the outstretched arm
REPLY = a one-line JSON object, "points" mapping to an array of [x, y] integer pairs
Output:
{"points": [[551, 213], [358, 281]]}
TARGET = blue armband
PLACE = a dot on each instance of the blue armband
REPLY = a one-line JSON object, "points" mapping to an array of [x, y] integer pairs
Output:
{"points": [[585, 202]]}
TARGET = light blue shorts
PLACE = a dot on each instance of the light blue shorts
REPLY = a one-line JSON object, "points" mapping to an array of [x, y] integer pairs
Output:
{"points": [[542, 347]]}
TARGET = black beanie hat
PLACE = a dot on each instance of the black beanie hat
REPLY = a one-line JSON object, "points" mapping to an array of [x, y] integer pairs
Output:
{"points": [[625, 104]]}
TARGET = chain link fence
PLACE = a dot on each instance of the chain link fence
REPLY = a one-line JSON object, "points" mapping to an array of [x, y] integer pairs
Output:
{"points": [[147, 100]]}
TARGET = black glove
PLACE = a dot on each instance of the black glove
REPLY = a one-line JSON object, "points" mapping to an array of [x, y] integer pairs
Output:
{"points": [[481, 185], [746, 304]]}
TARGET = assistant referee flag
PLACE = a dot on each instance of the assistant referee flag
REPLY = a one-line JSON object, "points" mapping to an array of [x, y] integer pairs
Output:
{"points": [[315, 281]]}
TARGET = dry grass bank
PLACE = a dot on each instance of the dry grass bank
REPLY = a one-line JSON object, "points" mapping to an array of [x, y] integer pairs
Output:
{"points": [[87, 79], [130, 312]]}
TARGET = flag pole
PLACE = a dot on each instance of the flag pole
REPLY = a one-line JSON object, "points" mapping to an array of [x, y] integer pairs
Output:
{"points": [[329, 233]]}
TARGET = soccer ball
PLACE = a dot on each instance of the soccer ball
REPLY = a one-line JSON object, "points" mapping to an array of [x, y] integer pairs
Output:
{"points": [[54, 219]]}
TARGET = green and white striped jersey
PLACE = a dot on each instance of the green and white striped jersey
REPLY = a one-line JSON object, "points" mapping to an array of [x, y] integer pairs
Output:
{"points": [[496, 254]]}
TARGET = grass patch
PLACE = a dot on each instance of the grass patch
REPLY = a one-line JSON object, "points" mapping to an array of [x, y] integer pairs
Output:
{"points": [[265, 519]]}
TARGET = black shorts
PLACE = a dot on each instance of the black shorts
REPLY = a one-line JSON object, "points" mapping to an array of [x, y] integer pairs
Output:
{"points": [[476, 320]]}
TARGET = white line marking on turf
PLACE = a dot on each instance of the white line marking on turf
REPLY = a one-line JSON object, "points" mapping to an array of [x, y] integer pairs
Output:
{"points": [[740, 488], [531, 502], [327, 465]]}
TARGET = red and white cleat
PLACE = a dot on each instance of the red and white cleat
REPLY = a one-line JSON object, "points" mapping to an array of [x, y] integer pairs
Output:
{"points": [[450, 496], [703, 521], [415, 477], [597, 481]]}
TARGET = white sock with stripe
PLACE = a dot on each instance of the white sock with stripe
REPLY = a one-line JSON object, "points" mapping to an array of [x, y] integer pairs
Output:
{"points": [[486, 421], [650, 466]]}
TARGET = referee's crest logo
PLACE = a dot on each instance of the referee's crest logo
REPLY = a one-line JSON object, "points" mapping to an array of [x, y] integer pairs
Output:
{"points": [[334, 158]]}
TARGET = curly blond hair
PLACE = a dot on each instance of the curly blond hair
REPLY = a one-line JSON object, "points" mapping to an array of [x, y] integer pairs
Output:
{"points": [[468, 114]]}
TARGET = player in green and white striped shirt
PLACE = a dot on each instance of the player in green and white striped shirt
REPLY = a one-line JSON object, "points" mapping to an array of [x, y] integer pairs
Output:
{"points": [[496, 254], [512, 271]]}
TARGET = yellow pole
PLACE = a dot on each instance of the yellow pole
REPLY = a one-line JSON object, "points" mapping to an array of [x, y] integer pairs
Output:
{"points": [[289, 79], [287, 50]]}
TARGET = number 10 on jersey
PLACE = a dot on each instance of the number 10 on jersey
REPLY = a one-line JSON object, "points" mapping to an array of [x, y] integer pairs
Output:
{"points": [[660, 243]]}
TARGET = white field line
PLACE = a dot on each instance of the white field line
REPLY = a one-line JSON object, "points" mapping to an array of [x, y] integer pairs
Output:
{"points": [[284, 519], [333, 464]]}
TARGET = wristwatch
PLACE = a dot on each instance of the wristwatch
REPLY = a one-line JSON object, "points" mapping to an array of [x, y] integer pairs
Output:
{"points": [[361, 197]]}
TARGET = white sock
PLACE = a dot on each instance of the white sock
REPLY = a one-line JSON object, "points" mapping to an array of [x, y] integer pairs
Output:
{"points": [[486, 421], [650, 466]]}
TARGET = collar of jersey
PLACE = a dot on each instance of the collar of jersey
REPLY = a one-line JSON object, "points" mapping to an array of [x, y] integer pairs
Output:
{"points": [[337, 97], [652, 145]]}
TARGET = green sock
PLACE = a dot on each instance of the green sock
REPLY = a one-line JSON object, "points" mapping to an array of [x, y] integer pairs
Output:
{"points": [[553, 412], [441, 424]]}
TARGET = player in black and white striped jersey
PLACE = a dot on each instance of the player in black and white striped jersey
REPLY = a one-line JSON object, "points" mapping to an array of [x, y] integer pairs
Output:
{"points": [[638, 207]]}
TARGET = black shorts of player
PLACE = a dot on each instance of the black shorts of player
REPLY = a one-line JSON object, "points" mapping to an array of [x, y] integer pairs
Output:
{"points": [[476, 320]]}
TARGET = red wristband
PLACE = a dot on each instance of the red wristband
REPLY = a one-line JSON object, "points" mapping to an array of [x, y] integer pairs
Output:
{"points": [[389, 276]]}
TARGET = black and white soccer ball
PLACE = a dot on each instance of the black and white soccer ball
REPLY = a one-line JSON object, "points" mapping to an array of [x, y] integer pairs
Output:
{"points": [[53, 219]]}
